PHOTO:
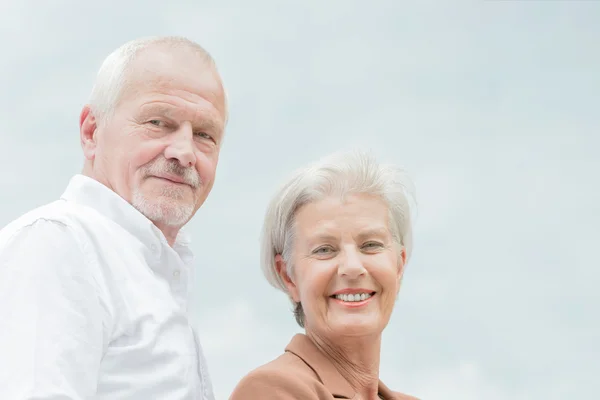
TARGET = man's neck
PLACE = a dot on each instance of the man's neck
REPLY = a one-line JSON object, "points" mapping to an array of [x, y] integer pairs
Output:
{"points": [[170, 232]]}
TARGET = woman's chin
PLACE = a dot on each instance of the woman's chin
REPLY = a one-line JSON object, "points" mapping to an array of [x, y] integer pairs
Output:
{"points": [[356, 326]]}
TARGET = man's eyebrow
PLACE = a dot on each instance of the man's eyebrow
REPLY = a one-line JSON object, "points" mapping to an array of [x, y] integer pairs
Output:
{"points": [[208, 125], [156, 109]]}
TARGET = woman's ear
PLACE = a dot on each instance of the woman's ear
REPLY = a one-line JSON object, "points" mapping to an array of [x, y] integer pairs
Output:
{"points": [[281, 267], [401, 265]]}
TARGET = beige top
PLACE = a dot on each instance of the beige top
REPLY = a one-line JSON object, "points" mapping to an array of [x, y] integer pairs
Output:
{"points": [[301, 372]]}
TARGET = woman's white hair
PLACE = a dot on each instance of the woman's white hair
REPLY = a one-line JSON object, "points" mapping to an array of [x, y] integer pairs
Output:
{"points": [[114, 72], [339, 174]]}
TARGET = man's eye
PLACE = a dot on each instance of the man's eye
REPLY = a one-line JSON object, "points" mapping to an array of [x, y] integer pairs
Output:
{"points": [[155, 122], [203, 135]]}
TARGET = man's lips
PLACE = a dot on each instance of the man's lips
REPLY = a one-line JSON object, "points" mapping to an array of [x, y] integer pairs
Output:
{"points": [[172, 178]]}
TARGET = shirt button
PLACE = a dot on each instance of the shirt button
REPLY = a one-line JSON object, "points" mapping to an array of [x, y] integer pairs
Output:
{"points": [[176, 274]]}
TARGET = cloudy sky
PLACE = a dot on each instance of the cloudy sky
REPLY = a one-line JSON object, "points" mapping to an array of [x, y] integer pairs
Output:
{"points": [[492, 106]]}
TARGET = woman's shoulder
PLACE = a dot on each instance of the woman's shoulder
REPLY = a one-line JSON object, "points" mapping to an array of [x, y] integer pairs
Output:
{"points": [[402, 396], [286, 377], [386, 393]]}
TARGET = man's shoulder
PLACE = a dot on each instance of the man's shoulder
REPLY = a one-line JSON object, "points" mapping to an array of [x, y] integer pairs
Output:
{"points": [[43, 241], [54, 212], [60, 212], [72, 219]]}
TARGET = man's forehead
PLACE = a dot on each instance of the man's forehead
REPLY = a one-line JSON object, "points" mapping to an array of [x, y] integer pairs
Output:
{"points": [[196, 78], [175, 70], [178, 80]]}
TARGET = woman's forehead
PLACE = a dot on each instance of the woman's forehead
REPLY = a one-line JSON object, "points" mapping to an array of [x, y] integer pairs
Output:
{"points": [[364, 218], [332, 208]]}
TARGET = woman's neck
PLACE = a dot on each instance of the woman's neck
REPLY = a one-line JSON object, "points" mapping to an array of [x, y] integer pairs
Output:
{"points": [[356, 358]]}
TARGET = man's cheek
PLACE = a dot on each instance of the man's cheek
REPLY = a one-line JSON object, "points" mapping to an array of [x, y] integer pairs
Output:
{"points": [[206, 172]]}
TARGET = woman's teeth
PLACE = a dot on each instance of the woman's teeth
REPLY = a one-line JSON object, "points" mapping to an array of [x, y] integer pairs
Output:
{"points": [[353, 297]]}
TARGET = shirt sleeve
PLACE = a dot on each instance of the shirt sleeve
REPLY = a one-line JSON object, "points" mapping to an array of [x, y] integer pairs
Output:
{"points": [[51, 318]]}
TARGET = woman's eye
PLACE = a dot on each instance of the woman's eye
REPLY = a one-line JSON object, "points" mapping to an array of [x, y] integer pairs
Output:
{"points": [[372, 245], [323, 250]]}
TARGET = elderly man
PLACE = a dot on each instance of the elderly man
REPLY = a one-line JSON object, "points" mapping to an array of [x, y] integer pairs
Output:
{"points": [[94, 287]]}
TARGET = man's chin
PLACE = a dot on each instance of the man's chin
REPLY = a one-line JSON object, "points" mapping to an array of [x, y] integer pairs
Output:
{"points": [[164, 211], [171, 218]]}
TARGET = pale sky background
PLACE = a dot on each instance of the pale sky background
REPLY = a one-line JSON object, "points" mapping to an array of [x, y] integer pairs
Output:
{"points": [[493, 107]]}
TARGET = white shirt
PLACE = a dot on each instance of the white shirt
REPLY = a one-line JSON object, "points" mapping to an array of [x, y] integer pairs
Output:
{"points": [[94, 304]]}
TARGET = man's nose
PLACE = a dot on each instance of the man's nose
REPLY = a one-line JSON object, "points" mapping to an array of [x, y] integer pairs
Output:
{"points": [[182, 146], [350, 263]]}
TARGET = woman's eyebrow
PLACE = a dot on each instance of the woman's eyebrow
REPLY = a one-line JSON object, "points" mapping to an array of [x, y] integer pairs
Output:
{"points": [[379, 232]]}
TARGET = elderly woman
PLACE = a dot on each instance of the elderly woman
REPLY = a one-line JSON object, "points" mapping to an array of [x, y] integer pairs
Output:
{"points": [[336, 240]]}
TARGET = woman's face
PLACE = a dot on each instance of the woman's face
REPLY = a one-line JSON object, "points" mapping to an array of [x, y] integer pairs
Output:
{"points": [[346, 267]]}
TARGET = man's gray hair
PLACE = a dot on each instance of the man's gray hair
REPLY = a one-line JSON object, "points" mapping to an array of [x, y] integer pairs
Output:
{"points": [[339, 174], [114, 72]]}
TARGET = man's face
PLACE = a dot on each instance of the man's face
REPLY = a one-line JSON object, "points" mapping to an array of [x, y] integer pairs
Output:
{"points": [[159, 149]]}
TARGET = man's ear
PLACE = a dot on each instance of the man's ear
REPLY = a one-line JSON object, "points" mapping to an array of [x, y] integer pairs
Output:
{"points": [[88, 127], [281, 267]]}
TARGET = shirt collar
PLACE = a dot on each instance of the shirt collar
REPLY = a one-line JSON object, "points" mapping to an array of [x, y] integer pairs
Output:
{"points": [[302, 346], [89, 192]]}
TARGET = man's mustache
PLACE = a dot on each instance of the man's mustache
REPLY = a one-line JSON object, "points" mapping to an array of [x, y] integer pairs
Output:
{"points": [[162, 166]]}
